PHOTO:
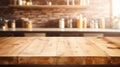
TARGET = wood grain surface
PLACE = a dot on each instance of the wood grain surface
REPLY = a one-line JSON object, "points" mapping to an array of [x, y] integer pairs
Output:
{"points": [[60, 50]]}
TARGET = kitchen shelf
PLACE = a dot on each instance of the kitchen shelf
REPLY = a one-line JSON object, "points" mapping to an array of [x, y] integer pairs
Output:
{"points": [[4, 7], [48, 6]]}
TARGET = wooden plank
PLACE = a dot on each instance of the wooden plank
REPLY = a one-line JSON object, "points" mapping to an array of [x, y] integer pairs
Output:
{"points": [[44, 52], [37, 60], [74, 47], [70, 60], [22, 44], [80, 52], [113, 40], [6, 46], [115, 60], [105, 47], [97, 60], [62, 47], [8, 60], [82, 60], [40, 46], [89, 48], [13, 46], [66, 47], [3, 38]]}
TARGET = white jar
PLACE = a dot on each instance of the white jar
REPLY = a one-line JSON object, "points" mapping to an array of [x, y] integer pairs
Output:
{"points": [[20, 2], [73, 2], [61, 23], [102, 23], [31, 2], [68, 2], [50, 3]]}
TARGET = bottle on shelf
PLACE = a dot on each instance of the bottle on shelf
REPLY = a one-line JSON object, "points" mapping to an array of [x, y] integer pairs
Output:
{"points": [[87, 2], [27, 3], [68, 2], [5, 24], [85, 22], [92, 24], [20, 2], [81, 2], [80, 21], [49, 3], [73, 2], [13, 24], [96, 24], [29, 24], [102, 23], [69, 23], [23, 2], [61, 23], [30, 2], [84, 2]]}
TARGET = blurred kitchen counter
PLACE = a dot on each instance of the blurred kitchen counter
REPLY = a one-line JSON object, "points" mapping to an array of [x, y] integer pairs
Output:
{"points": [[63, 32], [60, 50]]}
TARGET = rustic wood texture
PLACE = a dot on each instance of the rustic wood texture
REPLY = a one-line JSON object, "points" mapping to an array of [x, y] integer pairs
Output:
{"points": [[60, 50], [37, 60], [48, 6]]}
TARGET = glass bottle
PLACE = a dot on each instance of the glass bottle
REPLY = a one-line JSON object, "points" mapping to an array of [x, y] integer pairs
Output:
{"points": [[85, 22], [23, 2], [96, 24], [73, 2], [102, 23], [80, 22], [92, 24], [69, 23], [20, 2], [13, 24], [61, 23], [5, 24], [30, 2], [68, 2]]}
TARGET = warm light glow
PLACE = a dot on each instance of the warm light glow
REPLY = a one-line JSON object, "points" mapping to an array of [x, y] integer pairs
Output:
{"points": [[116, 7]]}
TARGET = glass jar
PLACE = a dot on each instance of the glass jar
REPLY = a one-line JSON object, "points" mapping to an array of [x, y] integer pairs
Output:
{"points": [[29, 24], [13, 24], [61, 23], [80, 21], [69, 23], [5, 24], [20, 2]]}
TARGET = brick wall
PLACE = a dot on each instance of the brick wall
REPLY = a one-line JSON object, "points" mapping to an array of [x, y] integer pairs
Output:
{"points": [[49, 17]]}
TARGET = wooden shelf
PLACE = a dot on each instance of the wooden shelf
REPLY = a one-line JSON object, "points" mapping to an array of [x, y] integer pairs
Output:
{"points": [[47, 6], [4, 7]]}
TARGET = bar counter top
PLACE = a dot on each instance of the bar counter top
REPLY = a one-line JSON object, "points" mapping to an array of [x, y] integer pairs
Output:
{"points": [[44, 30], [60, 50]]}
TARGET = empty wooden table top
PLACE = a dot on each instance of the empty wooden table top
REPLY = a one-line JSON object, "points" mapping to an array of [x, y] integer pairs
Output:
{"points": [[56, 47]]}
